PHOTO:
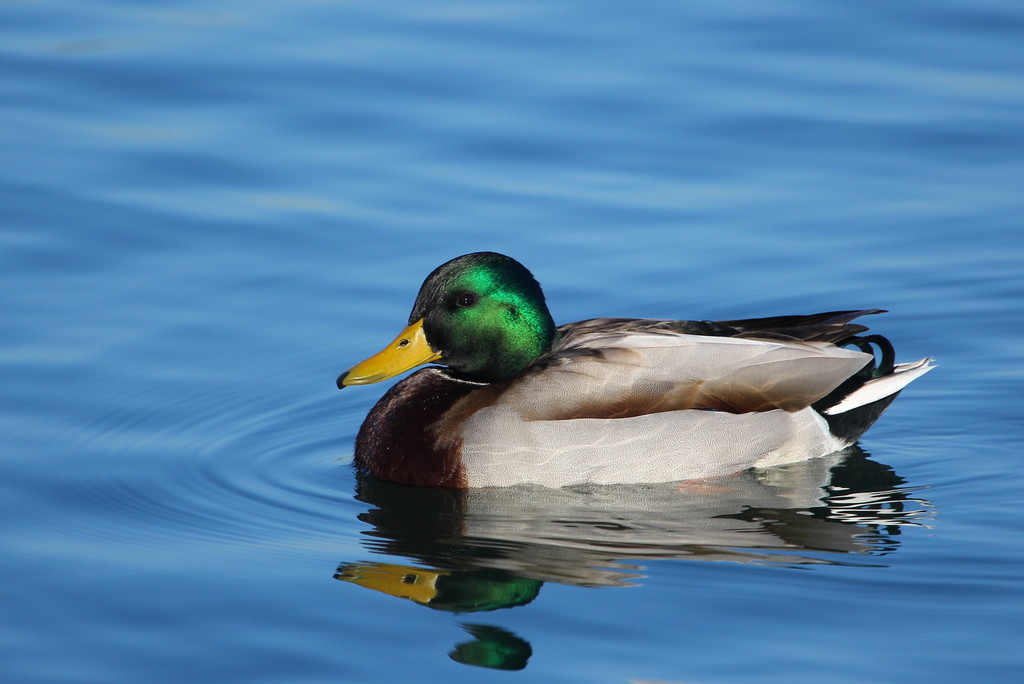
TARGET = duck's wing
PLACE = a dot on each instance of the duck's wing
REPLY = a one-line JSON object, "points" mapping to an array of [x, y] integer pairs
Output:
{"points": [[618, 368], [831, 326]]}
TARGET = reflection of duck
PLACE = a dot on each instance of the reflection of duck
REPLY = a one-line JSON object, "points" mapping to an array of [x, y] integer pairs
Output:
{"points": [[492, 548], [608, 401]]}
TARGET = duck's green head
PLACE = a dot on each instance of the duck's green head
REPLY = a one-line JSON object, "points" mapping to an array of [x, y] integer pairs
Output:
{"points": [[483, 315]]}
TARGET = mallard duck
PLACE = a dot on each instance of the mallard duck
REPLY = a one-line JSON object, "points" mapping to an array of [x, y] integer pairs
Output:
{"points": [[520, 400]]}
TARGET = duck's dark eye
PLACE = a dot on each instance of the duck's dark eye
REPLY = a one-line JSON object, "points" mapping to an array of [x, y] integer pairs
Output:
{"points": [[465, 300]]}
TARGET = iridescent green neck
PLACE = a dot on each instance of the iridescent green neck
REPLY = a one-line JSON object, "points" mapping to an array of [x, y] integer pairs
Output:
{"points": [[486, 313]]}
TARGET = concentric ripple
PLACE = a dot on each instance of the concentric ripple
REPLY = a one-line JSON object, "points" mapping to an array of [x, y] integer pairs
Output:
{"points": [[170, 465]]}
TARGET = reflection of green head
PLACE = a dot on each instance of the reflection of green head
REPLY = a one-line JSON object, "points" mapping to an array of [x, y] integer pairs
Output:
{"points": [[472, 592], [492, 647], [458, 591]]}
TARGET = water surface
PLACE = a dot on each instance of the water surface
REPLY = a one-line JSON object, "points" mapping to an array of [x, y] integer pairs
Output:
{"points": [[209, 211]]}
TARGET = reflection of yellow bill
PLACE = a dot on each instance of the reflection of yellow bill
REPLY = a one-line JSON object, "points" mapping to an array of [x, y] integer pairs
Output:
{"points": [[400, 581], [408, 350]]}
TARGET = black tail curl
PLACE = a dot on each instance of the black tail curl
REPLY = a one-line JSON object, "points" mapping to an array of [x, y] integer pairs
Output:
{"points": [[850, 425]]}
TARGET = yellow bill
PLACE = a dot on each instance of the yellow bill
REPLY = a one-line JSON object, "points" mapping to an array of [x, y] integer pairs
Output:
{"points": [[400, 581], [408, 350]]}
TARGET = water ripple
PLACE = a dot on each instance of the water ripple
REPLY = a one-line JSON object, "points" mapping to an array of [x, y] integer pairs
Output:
{"points": [[235, 478]]}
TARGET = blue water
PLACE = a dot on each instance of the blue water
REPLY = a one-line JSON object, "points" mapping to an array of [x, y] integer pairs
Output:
{"points": [[209, 210]]}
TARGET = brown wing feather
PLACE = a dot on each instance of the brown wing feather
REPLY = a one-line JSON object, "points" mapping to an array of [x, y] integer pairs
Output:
{"points": [[596, 375]]}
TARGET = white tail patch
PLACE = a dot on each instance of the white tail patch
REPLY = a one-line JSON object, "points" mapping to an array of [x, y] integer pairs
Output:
{"points": [[880, 388]]}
